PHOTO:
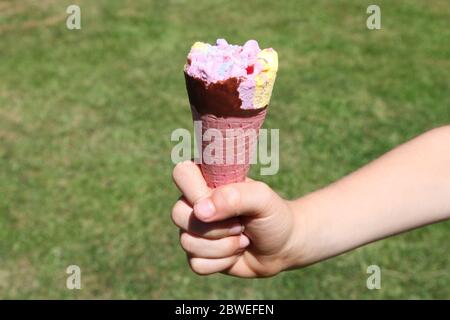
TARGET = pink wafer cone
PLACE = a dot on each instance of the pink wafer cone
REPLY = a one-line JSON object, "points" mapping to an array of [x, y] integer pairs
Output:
{"points": [[238, 138], [229, 89], [218, 107]]}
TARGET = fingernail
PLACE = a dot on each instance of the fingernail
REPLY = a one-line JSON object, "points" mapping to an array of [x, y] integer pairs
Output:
{"points": [[236, 229], [204, 208], [243, 241]]}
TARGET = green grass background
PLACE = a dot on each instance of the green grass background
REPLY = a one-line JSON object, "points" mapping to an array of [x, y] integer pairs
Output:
{"points": [[86, 117]]}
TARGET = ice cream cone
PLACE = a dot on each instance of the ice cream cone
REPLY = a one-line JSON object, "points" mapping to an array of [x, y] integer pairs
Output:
{"points": [[229, 89], [238, 138]]}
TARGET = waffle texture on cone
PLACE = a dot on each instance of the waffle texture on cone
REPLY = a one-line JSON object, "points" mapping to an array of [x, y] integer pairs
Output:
{"points": [[237, 136]]}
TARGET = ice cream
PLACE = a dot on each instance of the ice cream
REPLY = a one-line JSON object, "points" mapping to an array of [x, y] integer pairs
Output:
{"points": [[229, 89], [253, 69]]}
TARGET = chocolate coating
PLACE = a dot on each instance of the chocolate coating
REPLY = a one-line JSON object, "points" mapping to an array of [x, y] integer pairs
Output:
{"points": [[220, 99]]}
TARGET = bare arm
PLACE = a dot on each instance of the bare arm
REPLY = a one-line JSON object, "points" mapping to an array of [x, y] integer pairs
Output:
{"points": [[406, 188], [247, 230]]}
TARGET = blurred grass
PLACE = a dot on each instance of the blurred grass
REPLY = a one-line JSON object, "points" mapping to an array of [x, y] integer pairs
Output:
{"points": [[86, 117]]}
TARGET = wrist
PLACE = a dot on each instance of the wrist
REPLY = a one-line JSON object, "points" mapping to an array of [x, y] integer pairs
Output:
{"points": [[300, 245], [311, 239]]}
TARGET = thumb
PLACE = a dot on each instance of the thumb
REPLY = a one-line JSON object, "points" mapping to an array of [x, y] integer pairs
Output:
{"points": [[251, 198]]}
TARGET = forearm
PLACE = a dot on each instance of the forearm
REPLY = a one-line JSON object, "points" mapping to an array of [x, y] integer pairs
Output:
{"points": [[404, 189]]}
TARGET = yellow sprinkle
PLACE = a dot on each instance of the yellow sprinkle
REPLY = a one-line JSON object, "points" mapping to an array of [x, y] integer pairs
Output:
{"points": [[269, 60], [199, 46]]}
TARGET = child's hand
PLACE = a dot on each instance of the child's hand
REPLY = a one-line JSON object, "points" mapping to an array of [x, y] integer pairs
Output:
{"points": [[404, 189], [242, 229]]}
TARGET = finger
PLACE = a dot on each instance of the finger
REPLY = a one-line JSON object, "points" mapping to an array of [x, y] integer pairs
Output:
{"points": [[246, 198], [203, 266], [206, 248], [189, 179], [184, 218], [241, 267]]}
